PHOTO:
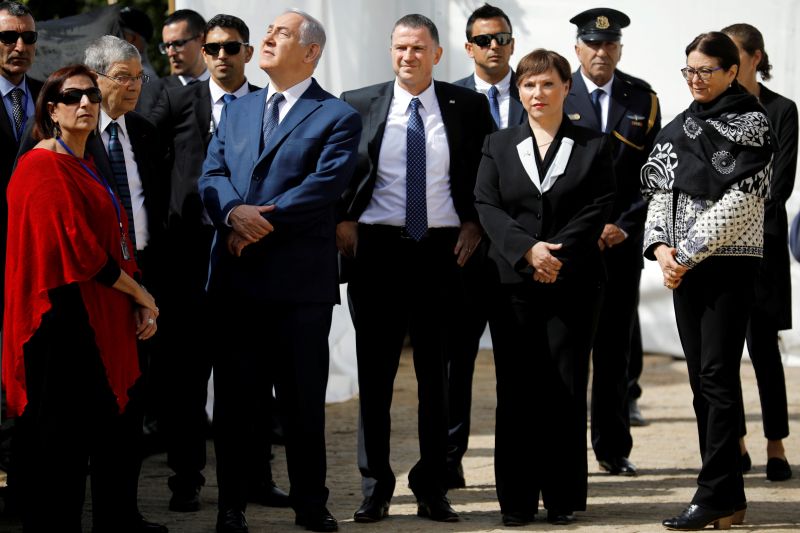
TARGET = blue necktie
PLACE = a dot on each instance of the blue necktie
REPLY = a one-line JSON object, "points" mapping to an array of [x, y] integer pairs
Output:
{"points": [[416, 189], [271, 117], [598, 109], [227, 98], [117, 158], [494, 106]]}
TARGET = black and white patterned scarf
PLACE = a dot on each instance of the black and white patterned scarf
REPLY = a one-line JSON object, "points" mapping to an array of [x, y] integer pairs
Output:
{"points": [[710, 147]]}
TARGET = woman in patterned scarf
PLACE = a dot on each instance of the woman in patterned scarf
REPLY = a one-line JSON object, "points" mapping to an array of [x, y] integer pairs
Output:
{"points": [[706, 180]]}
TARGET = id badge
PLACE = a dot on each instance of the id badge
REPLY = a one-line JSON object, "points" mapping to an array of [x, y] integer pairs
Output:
{"points": [[123, 241]]}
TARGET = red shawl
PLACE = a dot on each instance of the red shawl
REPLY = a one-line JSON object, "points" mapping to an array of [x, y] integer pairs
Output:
{"points": [[62, 227]]}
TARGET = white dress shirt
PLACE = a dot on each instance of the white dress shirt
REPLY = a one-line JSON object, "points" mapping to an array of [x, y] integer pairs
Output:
{"points": [[134, 180], [388, 202], [217, 103], [605, 98], [503, 96], [186, 80]]}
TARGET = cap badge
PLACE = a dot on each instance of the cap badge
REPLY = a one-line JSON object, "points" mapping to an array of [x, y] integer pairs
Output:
{"points": [[601, 23]]}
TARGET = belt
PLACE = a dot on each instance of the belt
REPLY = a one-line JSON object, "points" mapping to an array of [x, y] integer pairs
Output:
{"points": [[399, 232]]}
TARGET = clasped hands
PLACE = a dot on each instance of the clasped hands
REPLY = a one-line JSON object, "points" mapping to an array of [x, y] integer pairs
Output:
{"points": [[145, 313], [612, 235], [249, 226], [545, 265], [672, 270]]}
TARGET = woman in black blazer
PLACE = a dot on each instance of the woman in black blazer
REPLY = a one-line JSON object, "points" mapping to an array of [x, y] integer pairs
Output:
{"points": [[544, 191], [772, 309]]}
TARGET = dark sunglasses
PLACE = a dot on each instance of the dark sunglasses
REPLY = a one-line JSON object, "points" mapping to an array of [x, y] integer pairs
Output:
{"points": [[484, 40], [177, 44], [231, 47], [74, 96], [11, 37]]}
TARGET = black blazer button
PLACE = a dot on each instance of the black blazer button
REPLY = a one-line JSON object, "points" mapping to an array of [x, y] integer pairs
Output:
{"points": [[536, 235], [538, 216]]}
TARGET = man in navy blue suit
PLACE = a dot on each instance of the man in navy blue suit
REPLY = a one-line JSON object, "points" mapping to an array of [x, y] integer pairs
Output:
{"points": [[278, 162]]}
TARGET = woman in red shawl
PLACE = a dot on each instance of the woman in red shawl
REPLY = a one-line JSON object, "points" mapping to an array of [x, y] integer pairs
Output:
{"points": [[73, 311]]}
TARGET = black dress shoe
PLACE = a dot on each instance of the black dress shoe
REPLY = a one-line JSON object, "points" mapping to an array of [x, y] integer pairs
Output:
{"points": [[455, 477], [372, 510], [746, 463], [231, 521], [635, 415], [560, 517], [618, 466], [778, 469], [518, 519], [436, 508], [185, 498], [138, 525], [268, 495], [317, 521], [695, 518]]}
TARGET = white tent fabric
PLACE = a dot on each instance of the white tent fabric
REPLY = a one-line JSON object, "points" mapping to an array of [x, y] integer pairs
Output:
{"points": [[357, 55]]}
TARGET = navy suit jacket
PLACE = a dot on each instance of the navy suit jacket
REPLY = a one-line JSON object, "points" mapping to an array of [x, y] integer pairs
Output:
{"points": [[302, 171], [516, 113]]}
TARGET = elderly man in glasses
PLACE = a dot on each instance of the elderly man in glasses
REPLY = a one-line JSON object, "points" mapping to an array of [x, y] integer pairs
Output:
{"points": [[626, 108]]}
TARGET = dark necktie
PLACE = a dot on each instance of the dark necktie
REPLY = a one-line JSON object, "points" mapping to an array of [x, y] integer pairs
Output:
{"points": [[17, 109], [271, 117], [416, 202], [227, 98], [598, 109], [494, 105], [117, 158]]}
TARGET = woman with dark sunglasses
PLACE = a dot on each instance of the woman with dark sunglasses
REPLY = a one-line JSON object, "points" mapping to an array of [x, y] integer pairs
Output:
{"points": [[73, 312]]}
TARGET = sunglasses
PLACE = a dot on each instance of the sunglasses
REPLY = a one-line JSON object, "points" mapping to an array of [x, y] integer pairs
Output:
{"points": [[177, 44], [74, 96], [11, 37], [484, 40], [231, 48]]}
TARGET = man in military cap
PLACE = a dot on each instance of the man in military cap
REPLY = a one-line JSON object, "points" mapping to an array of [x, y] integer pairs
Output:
{"points": [[605, 99]]}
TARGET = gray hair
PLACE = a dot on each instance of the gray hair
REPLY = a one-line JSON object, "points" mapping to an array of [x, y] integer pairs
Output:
{"points": [[311, 30], [107, 50]]}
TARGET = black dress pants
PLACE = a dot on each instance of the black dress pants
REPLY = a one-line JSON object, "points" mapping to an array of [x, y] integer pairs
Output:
{"points": [[72, 427], [712, 306], [265, 343], [542, 336], [402, 286]]}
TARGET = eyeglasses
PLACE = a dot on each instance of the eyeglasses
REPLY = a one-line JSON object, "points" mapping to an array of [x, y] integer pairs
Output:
{"points": [[231, 47], [74, 96], [703, 73], [484, 40], [127, 80], [11, 37], [177, 44]]}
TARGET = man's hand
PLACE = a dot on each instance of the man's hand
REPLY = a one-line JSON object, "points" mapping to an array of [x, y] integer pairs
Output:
{"points": [[246, 220], [347, 238], [612, 236], [236, 243], [468, 239]]}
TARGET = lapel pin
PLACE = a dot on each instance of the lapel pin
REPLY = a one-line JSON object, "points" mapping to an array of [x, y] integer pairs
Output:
{"points": [[574, 116], [452, 101]]}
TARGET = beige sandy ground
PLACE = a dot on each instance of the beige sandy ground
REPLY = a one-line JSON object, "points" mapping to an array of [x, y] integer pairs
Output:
{"points": [[666, 453]]}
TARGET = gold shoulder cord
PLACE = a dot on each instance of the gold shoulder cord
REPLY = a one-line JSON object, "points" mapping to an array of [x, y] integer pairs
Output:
{"points": [[651, 121]]}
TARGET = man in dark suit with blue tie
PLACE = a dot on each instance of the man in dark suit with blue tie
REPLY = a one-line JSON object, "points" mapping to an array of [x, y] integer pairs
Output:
{"points": [[278, 162], [490, 43], [408, 223], [603, 98]]}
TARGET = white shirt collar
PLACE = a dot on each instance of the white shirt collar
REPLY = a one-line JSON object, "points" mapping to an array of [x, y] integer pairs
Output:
{"points": [[218, 92], [105, 120], [427, 97], [186, 80], [293, 93], [503, 86], [591, 86]]}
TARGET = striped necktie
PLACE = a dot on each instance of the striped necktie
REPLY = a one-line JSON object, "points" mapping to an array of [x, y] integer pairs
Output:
{"points": [[117, 158], [271, 117]]}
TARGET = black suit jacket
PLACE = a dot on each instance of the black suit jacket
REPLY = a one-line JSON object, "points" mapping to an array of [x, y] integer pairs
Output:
{"points": [[516, 215], [516, 113], [634, 119], [183, 115], [152, 92], [467, 121]]}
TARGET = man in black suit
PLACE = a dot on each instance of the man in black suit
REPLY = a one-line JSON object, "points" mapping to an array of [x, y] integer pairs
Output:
{"points": [[603, 98], [409, 223], [183, 35], [490, 44], [19, 92], [189, 115]]}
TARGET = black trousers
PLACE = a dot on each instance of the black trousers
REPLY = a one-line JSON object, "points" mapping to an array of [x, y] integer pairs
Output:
{"points": [[72, 426], [712, 307], [265, 343], [401, 286], [542, 336], [611, 354], [636, 362]]}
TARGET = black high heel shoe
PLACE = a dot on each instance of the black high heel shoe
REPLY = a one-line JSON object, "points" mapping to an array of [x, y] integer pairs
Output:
{"points": [[695, 518]]}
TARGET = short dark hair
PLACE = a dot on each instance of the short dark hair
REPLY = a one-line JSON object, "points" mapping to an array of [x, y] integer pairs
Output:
{"points": [[195, 22], [486, 12], [716, 44], [751, 40], [416, 20], [15, 9], [229, 22], [540, 61], [43, 127]]}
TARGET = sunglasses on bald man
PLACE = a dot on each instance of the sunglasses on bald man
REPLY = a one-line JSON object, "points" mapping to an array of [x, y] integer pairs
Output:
{"points": [[11, 37]]}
